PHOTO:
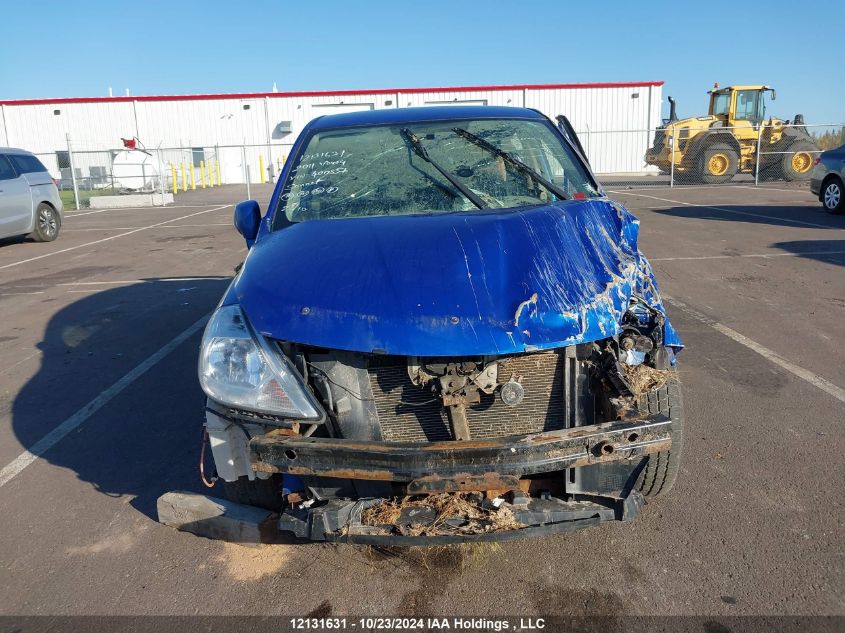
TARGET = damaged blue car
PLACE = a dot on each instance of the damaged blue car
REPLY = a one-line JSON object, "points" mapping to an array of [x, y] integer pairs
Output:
{"points": [[443, 331]]}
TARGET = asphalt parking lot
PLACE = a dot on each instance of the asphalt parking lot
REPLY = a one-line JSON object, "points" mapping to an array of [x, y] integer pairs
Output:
{"points": [[98, 343]]}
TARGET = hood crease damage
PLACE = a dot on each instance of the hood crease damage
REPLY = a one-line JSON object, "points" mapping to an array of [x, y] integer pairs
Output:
{"points": [[392, 285]]}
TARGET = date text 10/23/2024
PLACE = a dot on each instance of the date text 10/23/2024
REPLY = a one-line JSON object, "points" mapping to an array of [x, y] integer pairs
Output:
{"points": [[418, 624]]}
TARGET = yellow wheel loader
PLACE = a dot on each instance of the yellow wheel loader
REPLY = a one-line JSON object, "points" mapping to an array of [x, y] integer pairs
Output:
{"points": [[713, 148]]}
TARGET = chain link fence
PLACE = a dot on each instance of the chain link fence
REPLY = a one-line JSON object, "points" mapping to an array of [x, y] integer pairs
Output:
{"points": [[82, 172], [665, 156], [749, 154]]}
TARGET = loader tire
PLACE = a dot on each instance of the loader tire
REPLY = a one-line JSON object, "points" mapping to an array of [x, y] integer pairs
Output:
{"points": [[661, 469], [798, 163], [771, 172], [717, 163], [263, 493]]}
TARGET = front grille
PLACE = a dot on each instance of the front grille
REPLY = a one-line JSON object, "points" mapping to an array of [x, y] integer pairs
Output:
{"points": [[409, 413]]}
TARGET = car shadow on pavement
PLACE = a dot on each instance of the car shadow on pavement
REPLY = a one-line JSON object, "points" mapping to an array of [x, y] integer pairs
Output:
{"points": [[776, 215], [144, 440], [827, 251], [16, 239]]}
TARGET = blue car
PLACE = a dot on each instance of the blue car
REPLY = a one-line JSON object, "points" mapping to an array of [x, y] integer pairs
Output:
{"points": [[443, 331]]}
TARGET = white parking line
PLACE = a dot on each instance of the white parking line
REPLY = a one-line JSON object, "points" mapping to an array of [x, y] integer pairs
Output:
{"points": [[767, 188], [112, 237], [123, 282], [734, 211], [814, 379], [110, 282], [75, 214], [168, 226], [8, 368], [753, 255], [101, 228], [13, 468]]}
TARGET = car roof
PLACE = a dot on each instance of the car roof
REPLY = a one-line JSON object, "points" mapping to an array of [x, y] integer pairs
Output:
{"points": [[430, 113], [14, 150]]}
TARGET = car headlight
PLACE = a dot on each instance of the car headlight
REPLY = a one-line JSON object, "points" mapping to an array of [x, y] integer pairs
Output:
{"points": [[239, 369]]}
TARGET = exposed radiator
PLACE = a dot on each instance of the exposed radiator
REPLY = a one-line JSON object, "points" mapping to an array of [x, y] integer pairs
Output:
{"points": [[411, 413]]}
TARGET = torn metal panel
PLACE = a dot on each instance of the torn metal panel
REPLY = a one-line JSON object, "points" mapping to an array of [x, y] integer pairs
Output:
{"points": [[480, 283]]}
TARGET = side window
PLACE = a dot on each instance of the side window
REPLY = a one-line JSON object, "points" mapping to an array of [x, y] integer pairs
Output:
{"points": [[748, 105], [26, 164], [6, 171], [721, 103]]}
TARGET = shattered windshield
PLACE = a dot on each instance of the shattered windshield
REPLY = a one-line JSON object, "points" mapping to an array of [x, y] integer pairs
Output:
{"points": [[377, 170]]}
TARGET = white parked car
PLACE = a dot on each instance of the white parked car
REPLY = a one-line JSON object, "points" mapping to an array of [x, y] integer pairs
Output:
{"points": [[29, 199]]}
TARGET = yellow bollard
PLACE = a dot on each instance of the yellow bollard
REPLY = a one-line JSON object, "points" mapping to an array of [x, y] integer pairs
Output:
{"points": [[184, 179], [217, 166], [173, 177], [193, 178], [208, 174], [261, 167], [202, 173]]}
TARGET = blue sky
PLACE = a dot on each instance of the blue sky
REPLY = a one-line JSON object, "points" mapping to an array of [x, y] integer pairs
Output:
{"points": [[57, 49]]}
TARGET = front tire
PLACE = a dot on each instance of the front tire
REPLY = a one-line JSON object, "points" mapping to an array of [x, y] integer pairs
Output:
{"points": [[717, 164], [661, 469], [832, 196], [47, 223]]}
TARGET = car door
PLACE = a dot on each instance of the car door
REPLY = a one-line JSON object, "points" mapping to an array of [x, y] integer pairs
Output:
{"points": [[15, 201]]}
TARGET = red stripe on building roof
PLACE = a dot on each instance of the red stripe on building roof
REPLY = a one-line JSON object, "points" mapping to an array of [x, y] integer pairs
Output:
{"points": [[328, 93]]}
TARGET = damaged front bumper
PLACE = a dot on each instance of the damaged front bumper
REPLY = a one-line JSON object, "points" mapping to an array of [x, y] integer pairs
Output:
{"points": [[341, 520], [495, 467]]}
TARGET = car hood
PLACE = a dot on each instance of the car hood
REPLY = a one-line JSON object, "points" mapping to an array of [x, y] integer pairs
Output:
{"points": [[481, 283]]}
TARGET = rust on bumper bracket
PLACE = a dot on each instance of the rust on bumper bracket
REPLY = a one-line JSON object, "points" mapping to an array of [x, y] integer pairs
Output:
{"points": [[428, 467]]}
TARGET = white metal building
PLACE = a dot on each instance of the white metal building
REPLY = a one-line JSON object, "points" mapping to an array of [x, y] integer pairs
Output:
{"points": [[614, 120]]}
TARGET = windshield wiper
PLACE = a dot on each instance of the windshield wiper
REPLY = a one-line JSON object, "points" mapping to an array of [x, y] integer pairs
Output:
{"points": [[421, 151], [512, 160]]}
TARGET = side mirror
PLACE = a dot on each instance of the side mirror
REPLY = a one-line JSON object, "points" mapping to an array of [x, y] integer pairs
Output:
{"points": [[247, 220]]}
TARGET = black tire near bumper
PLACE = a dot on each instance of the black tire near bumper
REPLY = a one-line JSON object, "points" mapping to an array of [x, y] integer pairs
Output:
{"points": [[661, 469]]}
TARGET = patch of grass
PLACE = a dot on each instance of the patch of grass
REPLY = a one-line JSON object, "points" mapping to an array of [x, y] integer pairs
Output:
{"points": [[84, 196]]}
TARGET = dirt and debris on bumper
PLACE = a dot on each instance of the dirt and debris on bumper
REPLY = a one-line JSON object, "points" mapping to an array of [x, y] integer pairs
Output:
{"points": [[448, 518]]}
